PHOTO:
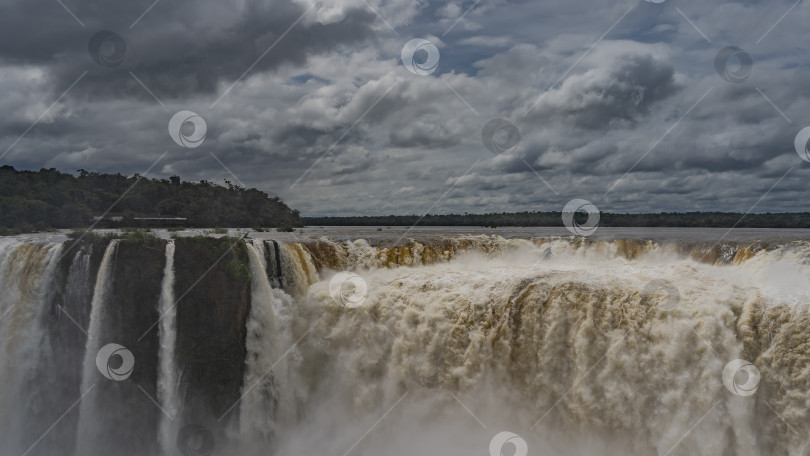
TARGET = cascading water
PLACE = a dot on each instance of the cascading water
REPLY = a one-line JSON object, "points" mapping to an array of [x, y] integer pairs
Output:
{"points": [[272, 257], [297, 268], [558, 339], [267, 392], [91, 413], [54, 385], [168, 382], [579, 346], [25, 272]]}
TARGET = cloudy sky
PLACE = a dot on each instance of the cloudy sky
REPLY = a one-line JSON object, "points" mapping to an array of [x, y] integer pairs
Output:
{"points": [[635, 106]]}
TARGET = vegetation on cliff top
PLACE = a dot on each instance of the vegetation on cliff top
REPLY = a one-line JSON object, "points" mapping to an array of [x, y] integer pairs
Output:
{"points": [[607, 219], [38, 200]]}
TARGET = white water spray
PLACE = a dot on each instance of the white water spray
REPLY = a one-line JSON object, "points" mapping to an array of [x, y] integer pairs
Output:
{"points": [[89, 413], [458, 339], [267, 393], [168, 375], [556, 340], [27, 271]]}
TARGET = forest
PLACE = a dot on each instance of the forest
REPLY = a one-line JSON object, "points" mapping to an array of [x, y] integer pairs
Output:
{"points": [[607, 219], [48, 199]]}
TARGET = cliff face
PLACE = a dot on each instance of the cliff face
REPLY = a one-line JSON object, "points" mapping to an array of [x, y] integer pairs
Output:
{"points": [[213, 303], [131, 312]]}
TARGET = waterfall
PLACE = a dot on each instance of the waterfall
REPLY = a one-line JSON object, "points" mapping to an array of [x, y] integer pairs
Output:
{"points": [[259, 394], [26, 271], [78, 290], [168, 376], [55, 382], [580, 347], [272, 257], [267, 391], [297, 267], [623, 342], [90, 413]]}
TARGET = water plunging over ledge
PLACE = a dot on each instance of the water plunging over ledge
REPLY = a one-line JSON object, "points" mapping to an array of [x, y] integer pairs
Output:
{"points": [[616, 343]]}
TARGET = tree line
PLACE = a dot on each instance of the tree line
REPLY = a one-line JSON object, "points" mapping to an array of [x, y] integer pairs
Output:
{"points": [[45, 199], [607, 219]]}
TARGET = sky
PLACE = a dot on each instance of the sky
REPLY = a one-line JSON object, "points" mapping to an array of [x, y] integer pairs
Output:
{"points": [[376, 107]]}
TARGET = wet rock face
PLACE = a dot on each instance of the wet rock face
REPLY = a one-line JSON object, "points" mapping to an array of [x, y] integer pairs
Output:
{"points": [[211, 317], [122, 416]]}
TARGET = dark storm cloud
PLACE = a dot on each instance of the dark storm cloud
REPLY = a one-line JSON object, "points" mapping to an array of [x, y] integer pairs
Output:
{"points": [[602, 99], [333, 103], [177, 48], [299, 136]]}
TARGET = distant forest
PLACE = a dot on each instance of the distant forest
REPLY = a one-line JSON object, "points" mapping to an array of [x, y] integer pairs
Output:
{"points": [[665, 219], [48, 199], [45, 199]]}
